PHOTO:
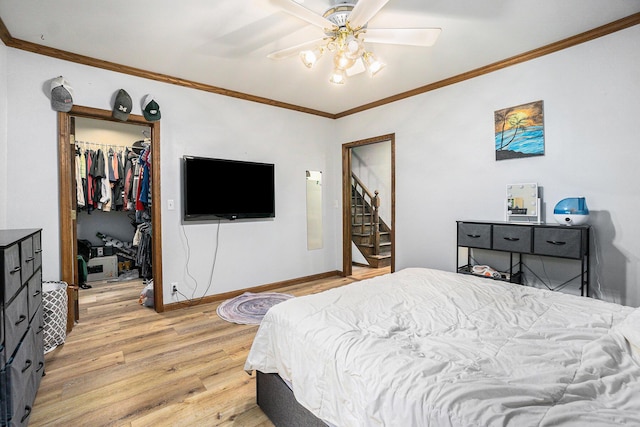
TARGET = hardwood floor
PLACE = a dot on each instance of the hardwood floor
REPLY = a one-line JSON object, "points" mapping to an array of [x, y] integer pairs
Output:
{"points": [[126, 365]]}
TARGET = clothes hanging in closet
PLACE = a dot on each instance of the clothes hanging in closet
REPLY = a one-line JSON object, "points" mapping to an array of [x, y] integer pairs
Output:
{"points": [[101, 178], [80, 181], [142, 239], [143, 185]]}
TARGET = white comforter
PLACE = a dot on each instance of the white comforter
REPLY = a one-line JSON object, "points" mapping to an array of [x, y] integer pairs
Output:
{"points": [[425, 347]]}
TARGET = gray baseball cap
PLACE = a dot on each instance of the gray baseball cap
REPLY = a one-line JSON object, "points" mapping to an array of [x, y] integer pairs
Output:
{"points": [[61, 95], [122, 106]]}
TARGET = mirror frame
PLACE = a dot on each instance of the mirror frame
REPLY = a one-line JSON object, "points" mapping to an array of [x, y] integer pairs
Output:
{"points": [[529, 195]]}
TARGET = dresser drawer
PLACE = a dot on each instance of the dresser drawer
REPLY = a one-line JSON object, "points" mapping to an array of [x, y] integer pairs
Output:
{"points": [[1, 325], [37, 250], [20, 378], [3, 395], [27, 259], [474, 235], [36, 334], [35, 293], [16, 321], [562, 242], [24, 407], [12, 272], [512, 238]]}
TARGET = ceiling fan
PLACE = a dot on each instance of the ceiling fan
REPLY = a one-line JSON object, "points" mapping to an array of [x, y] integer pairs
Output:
{"points": [[345, 28]]}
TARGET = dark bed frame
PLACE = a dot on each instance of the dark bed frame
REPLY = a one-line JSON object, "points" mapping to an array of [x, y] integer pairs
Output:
{"points": [[276, 400]]}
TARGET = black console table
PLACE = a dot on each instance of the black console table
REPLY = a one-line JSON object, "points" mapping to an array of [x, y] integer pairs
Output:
{"points": [[518, 239]]}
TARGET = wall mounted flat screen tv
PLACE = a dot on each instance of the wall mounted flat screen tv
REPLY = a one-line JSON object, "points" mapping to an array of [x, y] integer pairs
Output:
{"points": [[227, 189]]}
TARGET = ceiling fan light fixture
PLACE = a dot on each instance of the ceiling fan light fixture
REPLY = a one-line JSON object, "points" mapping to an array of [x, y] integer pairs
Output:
{"points": [[353, 47], [342, 61], [346, 26], [310, 57], [338, 76], [373, 64]]}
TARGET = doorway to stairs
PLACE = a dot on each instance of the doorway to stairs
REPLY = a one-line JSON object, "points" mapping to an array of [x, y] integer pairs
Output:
{"points": [[368, 203]]}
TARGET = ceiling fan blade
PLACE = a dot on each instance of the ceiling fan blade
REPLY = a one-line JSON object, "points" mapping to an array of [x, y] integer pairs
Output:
{"points": [[363, 11], [294, 50], [405, 36], [301, 12], [250, 37]]}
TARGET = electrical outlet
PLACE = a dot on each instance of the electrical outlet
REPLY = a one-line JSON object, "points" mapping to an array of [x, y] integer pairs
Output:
{"points": [[174, 287]]}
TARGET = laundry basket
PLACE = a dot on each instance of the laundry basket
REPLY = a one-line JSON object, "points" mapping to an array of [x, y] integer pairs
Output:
{"points": [[54, 304]]}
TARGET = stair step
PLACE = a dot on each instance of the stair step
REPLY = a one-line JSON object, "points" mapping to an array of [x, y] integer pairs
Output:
{"points": [[379, 261], [381, 256], [382, 233], [370, 245]]}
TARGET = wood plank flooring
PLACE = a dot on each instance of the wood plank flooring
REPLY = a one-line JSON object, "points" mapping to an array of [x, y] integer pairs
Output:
{"points": [[126, 365]]}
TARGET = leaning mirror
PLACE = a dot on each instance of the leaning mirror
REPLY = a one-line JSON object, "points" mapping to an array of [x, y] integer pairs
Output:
{"points": [[522, 203], [314, 210]]}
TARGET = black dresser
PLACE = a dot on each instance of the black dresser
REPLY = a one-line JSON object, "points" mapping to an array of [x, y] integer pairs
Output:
{"points": [[21, 327], [522, 239]]}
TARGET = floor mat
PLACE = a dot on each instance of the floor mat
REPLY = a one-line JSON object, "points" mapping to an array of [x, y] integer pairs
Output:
{"points": [[249, 308]]}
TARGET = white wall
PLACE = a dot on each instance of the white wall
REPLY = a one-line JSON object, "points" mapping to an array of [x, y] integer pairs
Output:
{"points": [[3, 134], [446, 168], [195, 123]]}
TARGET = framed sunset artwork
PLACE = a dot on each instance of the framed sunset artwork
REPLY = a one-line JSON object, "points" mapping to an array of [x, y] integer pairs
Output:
{"points": [[519, 131]]}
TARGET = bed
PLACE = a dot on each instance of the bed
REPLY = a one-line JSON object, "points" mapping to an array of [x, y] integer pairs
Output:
{"points": [[423, 347]]}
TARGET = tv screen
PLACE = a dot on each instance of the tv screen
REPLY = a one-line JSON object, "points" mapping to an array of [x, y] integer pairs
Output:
{"points": [[227, 189]]}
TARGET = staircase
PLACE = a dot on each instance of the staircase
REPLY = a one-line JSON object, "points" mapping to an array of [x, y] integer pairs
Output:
{"points": [[369, 233]]}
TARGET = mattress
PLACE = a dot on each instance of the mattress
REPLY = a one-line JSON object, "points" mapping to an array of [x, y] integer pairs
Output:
{"points": [[426, 347]]}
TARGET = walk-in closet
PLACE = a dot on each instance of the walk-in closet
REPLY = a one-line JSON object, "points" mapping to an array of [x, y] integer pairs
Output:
{"points": [[113, 196]]}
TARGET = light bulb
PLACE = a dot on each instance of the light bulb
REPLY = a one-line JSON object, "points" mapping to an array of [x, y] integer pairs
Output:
{"points": [[353, 47], [310, 57], [342, 61], [337, 77], [374, 65]]}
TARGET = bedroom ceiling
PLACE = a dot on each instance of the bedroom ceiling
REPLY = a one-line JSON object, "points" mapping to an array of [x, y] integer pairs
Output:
{"points": [[224, 43]]}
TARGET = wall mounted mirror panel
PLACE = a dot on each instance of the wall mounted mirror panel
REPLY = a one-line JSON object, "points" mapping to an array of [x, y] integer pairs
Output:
{"points": [[314, 210]]}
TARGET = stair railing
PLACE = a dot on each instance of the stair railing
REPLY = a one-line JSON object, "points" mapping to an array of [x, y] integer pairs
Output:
{"points": [[369, 217]]}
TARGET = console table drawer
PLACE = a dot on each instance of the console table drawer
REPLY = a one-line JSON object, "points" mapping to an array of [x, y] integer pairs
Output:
{"points": [[474, 235], [559, 242], [512, 238]]}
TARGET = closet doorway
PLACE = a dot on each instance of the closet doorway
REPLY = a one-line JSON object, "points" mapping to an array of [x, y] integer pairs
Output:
{"points": [[68, 198], [388, 199]]}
